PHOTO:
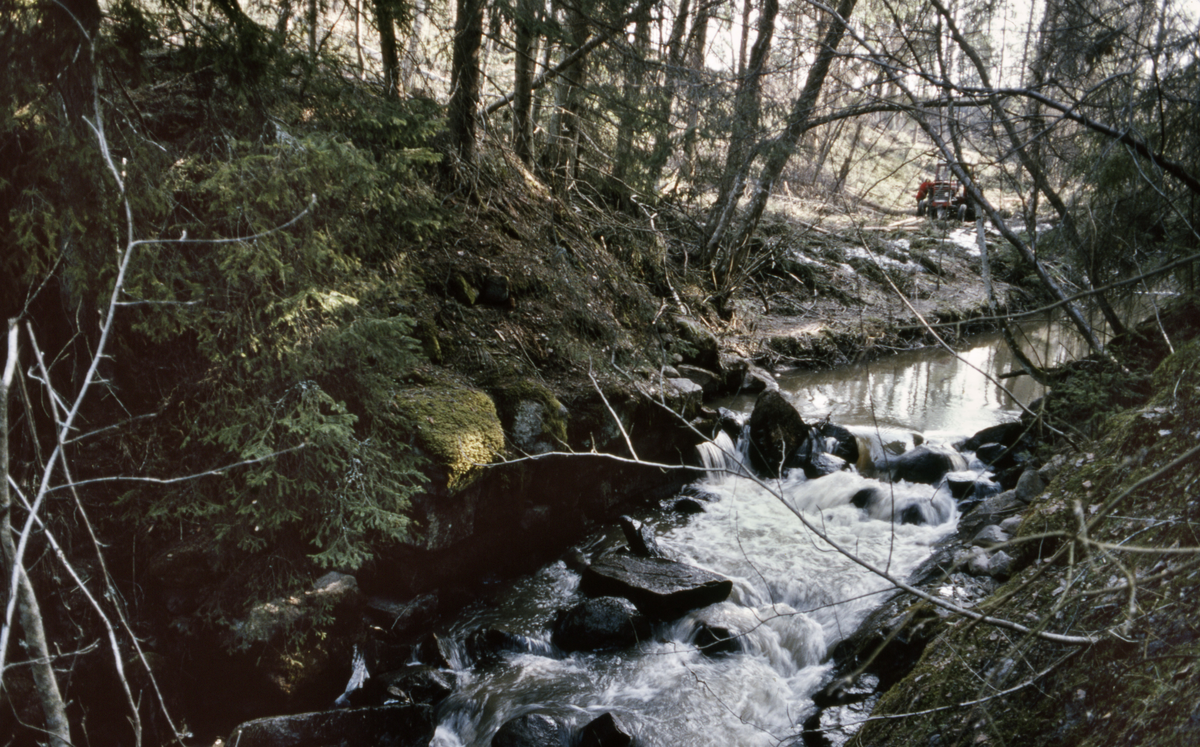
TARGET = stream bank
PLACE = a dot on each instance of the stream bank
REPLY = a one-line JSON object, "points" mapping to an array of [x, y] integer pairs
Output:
{"points": [[511, 375], [977, 562]]}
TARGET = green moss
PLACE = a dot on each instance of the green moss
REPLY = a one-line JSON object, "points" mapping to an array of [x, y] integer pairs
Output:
{"points": [[457, 428], [554, 421], [426, 333], [462, 291]]}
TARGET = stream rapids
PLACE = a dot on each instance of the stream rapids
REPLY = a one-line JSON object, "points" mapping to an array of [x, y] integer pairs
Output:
{"points": [[794, 596]]}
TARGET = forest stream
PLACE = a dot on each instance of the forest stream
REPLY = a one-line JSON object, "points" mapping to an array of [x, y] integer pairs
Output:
{"points": [[793, 597]]}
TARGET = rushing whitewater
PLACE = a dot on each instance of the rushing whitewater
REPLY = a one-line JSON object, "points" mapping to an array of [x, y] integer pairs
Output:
{"points": [[794, 597]]}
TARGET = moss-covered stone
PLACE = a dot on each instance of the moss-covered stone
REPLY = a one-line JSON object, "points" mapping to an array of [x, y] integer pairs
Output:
{"points": [[533, 415], [457, 428], [463, 291]]}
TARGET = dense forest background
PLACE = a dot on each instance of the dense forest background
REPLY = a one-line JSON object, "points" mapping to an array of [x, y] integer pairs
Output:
{"points": [[214, 218]]}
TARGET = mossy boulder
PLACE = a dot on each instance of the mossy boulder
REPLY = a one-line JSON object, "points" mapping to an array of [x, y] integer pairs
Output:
{"points": [[457, 428], [533, 417]]}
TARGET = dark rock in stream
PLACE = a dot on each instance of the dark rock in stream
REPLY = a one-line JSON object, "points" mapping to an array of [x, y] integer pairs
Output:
{"points": [[992, 454], [420, 684], [838, 441], [383, 726], [961, 487], [864, 497], [640, 538], [662, 589], [714, 641], [1005, 434], [484, 646], [777, 432], [732, 423], [926, 465], [820, 465], [687, 506], [531, 730], [605, 731], [597, 624]]}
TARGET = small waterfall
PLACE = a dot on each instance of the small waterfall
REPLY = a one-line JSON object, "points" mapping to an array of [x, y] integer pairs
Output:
{"points": [[721, 458]]}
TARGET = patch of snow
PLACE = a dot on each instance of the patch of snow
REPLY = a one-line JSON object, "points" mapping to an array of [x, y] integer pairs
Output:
{"points": [[882, 259], [803, 258], [964, 238]]}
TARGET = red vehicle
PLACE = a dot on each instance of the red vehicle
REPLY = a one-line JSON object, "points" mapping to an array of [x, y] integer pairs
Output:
{"points": [[944, 196]]}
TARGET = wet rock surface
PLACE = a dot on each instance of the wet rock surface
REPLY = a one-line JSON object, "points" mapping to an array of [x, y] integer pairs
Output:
{"points": [[777, 432], [605, 731], [598, 624], [531, 730], [385, 726], [660, 588]]}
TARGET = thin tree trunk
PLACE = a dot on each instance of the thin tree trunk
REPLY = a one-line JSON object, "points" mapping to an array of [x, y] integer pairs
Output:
{"points": [[465, 79], [631, 99], [54, 711], [666, 97], [1029, 366], [408, 63], [782, 147], [71, 27], [1030, 155], [569, 101], [740, 155], [840, 183], [358, 38], [547, 50], [312, 31], [744, 40], [834, 132], [387, 47], [696, 70], [523, 64]]}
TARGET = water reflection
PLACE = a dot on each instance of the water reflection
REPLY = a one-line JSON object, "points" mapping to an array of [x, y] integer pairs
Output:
{"points": [[930, 390]]}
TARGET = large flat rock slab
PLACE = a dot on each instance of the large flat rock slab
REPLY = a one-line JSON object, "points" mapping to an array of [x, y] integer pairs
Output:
{"points": [[661, 588], [380, 726]]}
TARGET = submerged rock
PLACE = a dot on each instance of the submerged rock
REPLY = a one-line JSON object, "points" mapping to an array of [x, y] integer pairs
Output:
{"points": [[714, 640], [662, 589], [419, 684], [382, 726], [605, 731], [596, 624], [926, 465], [839, 442], [531, 730], [484, 646], [820, 465], [687, 506]]}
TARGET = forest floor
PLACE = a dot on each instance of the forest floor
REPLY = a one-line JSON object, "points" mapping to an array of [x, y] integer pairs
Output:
{"points": [[829, 282]]}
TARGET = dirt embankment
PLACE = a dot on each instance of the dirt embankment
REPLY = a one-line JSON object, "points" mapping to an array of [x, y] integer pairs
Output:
{"points": [[527, 286]]}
